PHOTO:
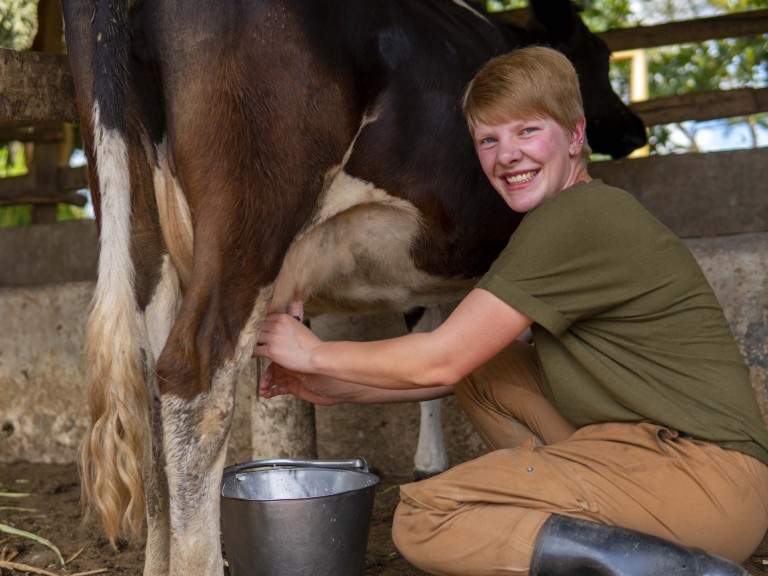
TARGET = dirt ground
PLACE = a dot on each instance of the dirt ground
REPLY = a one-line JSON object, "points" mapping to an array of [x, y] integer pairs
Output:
{"points": [[52, 511]]}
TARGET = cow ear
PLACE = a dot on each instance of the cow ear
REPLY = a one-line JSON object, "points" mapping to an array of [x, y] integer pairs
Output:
{"points": [[557, 17]]}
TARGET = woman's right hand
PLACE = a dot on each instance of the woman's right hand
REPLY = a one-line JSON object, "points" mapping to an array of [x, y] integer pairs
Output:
{"points": [[313, 388]]}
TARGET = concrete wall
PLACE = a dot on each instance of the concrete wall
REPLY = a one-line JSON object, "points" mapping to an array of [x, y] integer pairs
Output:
{"points": [[42, 406]]}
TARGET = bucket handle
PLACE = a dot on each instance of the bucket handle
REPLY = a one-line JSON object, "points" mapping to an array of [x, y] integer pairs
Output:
{"points": [[358, 464]]}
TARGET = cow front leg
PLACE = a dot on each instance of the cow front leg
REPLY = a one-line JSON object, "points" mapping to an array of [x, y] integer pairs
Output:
{"points": [[197, 374], [195, 440]]}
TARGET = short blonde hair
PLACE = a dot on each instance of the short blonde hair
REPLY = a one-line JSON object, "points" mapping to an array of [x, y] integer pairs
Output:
{"points": [[531, 82]]}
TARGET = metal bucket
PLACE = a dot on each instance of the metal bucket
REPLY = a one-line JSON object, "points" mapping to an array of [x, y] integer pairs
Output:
{"points": [[297, 517]]}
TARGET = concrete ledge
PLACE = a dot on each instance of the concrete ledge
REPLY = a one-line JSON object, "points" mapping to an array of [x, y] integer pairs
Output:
{"points": [[42, 416], [48, 253]]}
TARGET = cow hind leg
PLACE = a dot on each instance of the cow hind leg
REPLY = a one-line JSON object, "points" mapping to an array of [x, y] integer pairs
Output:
{"points": [[431, 456], [158, 316]]}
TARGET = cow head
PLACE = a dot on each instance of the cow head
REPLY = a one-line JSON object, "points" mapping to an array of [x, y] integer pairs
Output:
{"points": [[611, 127]]}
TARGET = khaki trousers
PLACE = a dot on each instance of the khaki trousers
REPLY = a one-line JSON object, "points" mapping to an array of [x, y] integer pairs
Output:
{"points": [[484, 516]]}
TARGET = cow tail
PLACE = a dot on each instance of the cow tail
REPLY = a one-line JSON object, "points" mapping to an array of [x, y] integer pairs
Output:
{"points": [[116, 447]]}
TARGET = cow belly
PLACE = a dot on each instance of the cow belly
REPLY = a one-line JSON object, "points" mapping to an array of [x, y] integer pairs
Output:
{"points": [[356, 256]]}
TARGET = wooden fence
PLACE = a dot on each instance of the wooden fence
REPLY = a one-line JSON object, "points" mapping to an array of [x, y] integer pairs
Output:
{"points": [[694, 193]]}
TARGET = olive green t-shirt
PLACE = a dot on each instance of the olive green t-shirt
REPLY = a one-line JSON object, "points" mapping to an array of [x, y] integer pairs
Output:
{"points": [[626, 326]]}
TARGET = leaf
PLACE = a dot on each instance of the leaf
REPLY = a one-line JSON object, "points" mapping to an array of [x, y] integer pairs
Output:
{"points": [[30, 536]]}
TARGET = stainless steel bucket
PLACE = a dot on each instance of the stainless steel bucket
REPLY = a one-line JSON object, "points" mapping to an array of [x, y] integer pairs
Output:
{"points": [[297, 517]]}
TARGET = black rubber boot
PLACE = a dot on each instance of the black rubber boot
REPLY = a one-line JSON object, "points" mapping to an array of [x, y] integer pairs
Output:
{"points": [[573, 547]]}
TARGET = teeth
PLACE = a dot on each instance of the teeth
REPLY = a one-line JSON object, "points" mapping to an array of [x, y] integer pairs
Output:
{"points": [[520, 178]]}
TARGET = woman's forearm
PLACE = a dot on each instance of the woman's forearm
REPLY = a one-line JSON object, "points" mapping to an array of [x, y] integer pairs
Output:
{"points": [[361, 394], [478, 329], [404, 363]]}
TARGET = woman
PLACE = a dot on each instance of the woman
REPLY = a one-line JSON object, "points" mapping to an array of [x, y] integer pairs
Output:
{"points": [[627, 438]]}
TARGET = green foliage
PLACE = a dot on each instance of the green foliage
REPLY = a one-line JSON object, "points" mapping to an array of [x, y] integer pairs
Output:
{"points": [[12, 216], [499, 5], [71, 212], [12, 160], [600, 16], [13, 163], [18, 23], [673, 70]]}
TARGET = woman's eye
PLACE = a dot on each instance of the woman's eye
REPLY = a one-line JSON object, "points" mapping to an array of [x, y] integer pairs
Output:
{"points": [[529, 130]]}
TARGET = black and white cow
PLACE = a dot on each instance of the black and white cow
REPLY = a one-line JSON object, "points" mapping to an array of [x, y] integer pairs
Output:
{"points": [[249, 154]]}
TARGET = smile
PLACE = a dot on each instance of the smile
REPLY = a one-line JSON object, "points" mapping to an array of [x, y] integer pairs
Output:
{"points": [[521, 178]]}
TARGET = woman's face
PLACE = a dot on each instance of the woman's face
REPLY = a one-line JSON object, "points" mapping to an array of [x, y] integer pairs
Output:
{"points": [[530, 160]]}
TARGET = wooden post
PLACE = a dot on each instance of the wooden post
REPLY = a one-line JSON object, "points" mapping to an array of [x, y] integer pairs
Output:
{"points": [[46, 156]]}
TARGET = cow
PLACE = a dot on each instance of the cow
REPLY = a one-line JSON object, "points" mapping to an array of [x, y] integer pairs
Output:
{"points": [[253, 155]]}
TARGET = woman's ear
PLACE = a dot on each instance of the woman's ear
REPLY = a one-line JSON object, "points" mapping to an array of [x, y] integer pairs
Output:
{"points": [[577, 137]]}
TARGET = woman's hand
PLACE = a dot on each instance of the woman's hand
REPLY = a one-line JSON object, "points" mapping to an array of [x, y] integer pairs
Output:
{"points": [[290, 344], [313, 388], [286, 341]]}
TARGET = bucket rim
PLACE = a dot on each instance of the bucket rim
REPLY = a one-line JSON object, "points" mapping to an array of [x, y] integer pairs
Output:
{"points": [[259, 470], [357, 464]]}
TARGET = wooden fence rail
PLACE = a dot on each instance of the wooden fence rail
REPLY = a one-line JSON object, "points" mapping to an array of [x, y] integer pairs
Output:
{"points": [[36, 97], [36, 89]]}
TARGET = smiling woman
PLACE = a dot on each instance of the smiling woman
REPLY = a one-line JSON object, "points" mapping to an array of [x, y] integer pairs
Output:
{"points": [[522, 159], [632, 362], [530, 157]]}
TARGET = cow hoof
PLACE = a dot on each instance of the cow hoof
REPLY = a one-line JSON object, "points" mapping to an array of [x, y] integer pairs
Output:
{"points": [[424, 474]]}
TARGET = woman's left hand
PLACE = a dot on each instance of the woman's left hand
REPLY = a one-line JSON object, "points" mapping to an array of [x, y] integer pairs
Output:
{"points": [[286, 341]]}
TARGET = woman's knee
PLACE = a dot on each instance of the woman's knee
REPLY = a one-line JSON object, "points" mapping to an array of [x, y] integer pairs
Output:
{"points": [[412, 532]]}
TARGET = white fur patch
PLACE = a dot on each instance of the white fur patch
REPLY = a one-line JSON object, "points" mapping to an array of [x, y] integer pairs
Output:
{"points": [[174, 213], [116, 273], [356, 256], [161, 311], [431, 455]]}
